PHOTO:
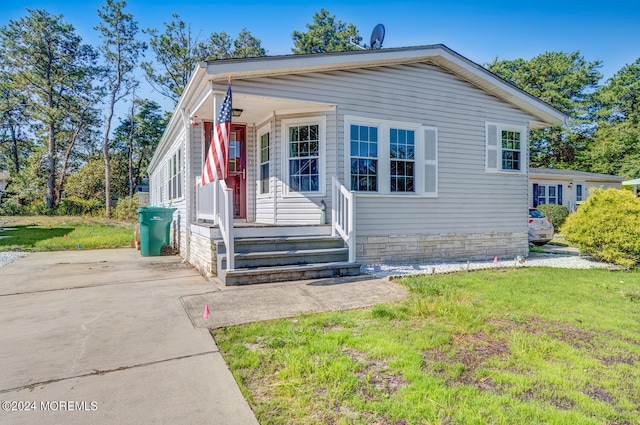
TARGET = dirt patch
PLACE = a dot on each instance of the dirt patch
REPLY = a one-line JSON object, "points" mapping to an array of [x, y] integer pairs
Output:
{"points": [[375, 375], [599, 394], [562, 403], [472, 351]]}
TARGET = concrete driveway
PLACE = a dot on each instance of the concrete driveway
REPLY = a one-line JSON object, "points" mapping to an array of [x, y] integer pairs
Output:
{"points": [[101, 337]]}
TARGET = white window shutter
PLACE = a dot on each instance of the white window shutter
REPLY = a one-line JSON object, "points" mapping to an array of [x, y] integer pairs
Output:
{"points": [[493, 150], [431, 162]]}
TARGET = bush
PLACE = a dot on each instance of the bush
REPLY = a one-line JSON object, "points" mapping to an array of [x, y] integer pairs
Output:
{"points": [[77, 206], [10, 206], [127, 208], [607, 227], [39, 207], [557, 213]]}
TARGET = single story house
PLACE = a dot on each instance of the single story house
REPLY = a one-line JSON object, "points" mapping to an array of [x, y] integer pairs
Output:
{"points": [[566, 187], [634, 182], [4, 181], [388, 155]]}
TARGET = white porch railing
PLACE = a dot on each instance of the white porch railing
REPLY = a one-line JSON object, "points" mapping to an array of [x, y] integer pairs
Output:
{"points": [[204, 201], [343, 216], [215, 202]]}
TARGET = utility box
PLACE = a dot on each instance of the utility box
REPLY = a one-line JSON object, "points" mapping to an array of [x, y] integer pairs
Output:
{"points": [[155, 227]]}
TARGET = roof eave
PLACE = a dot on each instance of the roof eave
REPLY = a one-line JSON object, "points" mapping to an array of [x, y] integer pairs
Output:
{"points": [[546, 115]]}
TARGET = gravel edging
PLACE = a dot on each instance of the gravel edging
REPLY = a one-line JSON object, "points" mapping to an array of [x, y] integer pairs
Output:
{"points": [[8, 257], [394, 270]]}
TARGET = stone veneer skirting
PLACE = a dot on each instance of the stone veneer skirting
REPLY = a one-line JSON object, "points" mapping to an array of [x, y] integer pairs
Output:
{"points": [[203, 255], [441, 247]]}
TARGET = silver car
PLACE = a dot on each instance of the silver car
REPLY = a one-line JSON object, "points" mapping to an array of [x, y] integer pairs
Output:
{"points": [[540, 228]]}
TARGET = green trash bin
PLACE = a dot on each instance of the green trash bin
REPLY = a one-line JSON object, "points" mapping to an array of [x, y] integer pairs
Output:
{"points": [[155, 224]]}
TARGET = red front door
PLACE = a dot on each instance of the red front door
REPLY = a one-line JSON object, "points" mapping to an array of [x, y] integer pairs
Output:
{"points": [[237, 180]]}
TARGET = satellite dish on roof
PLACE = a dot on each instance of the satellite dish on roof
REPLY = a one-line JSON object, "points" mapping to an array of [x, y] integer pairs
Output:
{"points": [[375, 42], [377, 37]]}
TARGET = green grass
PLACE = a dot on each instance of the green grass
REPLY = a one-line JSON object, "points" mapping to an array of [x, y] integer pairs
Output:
{"points": [[62, 233], [525, 346]]}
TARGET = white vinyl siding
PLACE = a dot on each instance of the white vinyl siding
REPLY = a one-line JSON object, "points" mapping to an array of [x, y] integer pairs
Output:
{"points": [[506, 147]]}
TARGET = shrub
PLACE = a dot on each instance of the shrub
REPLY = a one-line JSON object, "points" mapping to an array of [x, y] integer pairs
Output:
{"points": [[607, 227], [557, 213], [10, 206], [77, 206], [38, 207], [127, 208]]}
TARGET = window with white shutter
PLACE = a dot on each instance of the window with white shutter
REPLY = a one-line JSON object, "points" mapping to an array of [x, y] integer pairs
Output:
{"points": [[505, 148], [391, 158]]}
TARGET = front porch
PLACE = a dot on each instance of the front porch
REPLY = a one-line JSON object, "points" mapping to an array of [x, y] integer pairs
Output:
{"points": [[241, 252]]}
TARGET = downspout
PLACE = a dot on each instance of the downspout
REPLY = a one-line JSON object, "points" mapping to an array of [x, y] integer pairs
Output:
{"points": [[339, 163], [188, 185]]}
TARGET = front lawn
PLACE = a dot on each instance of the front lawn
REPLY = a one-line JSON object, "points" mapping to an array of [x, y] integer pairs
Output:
{"points": [[62, 233], [515, 346]]}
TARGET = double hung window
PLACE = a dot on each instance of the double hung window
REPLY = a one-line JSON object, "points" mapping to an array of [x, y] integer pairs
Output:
{"points": [[391, 158]]}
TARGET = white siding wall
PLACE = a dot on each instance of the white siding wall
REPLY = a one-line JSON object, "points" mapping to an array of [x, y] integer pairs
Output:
{"points": [[469, 199], [160, 175]]}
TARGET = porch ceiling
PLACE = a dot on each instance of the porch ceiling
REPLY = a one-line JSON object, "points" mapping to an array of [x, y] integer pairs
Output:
{"points": [[257, 109]]}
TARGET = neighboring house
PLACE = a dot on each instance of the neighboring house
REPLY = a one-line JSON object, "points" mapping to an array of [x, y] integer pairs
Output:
{"points": [[4, 181], [566, 187], [635, 183], [408, 154], [142, 190]]}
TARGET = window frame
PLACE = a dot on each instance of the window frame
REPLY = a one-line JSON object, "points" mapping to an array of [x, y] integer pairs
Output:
{"points": [[499, 150], [174, 176], [403, 160], [359, 157], [421, 162], [553, 197], [286, 124], [581, 197], [542, 194], [266, 129]]}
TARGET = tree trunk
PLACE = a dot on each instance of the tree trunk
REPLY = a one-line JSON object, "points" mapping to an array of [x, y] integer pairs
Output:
{"points": [[131, 134], [107, 179], [51, 178], [14, 149], [107, 160], [67, 154]]}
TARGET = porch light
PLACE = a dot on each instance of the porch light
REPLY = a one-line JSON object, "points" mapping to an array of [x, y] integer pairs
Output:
{"points": [[194, 122], [236, 112]]}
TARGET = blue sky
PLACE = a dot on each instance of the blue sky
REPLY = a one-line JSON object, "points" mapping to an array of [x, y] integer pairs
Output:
{"points": [[479, 30]]}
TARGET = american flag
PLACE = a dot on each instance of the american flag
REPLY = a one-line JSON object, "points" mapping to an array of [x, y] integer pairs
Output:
{"points": [[216, 166]]}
